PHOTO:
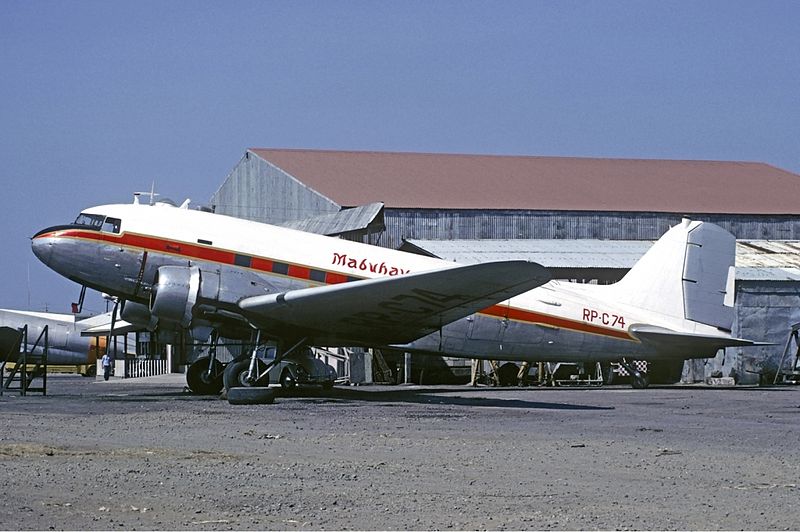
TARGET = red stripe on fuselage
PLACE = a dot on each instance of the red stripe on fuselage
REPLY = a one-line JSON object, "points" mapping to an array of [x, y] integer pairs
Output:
{"points": [[296, 271], [529, 316]]}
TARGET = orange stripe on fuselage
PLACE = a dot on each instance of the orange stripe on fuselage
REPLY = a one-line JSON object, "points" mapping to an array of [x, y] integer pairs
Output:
{"points": [[303, 272], [548, 320]]}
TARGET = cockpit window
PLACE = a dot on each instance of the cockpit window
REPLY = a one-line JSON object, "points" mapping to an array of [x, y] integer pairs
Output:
{"points": [[111, 225], [99, 222], [93, 221]]}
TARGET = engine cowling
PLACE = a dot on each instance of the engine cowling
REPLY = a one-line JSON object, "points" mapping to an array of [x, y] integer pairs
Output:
{"points": [[175, 293], [189, 297]]}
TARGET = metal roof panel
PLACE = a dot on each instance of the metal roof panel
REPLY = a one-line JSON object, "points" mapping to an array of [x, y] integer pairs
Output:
{"points": [[455, 181]]}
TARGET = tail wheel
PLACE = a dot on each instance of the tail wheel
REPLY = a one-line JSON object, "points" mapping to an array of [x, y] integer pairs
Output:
{"points": [[640, 381]]}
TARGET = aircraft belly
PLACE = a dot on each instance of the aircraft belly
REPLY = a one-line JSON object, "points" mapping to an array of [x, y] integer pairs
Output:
{"points": [[490, 338]]}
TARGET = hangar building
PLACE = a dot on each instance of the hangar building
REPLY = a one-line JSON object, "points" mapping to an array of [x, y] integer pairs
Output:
{"points": [[430, 197]]}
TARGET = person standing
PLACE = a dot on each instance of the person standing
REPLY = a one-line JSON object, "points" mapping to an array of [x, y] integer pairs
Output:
{"points": [[106, 363]]}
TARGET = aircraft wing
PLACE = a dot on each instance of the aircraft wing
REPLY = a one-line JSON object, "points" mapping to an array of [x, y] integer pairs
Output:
{"points": [[687, 345], [392, 309]]}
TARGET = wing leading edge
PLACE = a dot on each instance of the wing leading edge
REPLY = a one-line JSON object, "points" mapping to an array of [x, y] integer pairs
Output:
{"points": [[392, 310]]}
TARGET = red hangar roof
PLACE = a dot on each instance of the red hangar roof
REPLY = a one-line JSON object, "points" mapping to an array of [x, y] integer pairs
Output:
{"points": [[449, 181]]}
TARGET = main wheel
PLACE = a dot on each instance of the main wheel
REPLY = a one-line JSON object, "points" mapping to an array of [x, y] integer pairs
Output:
{"points": [[252, 395], [235, 374], [202, 381]]}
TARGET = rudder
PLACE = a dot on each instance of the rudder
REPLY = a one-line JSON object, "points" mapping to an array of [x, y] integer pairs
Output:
{"points": [[687, 274]]}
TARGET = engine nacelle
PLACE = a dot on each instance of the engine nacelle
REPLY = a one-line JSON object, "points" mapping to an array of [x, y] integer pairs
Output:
{"points": [[138, 315], [189, 297], [174, 295]]}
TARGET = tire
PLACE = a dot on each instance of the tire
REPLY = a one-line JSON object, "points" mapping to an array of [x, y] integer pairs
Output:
{"points": [[640, 381], [251, 395], [236, 371], [288, 381], [199, 380], [507, 374]]}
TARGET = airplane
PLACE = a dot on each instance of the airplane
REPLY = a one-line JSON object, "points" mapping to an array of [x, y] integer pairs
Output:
{"points": [[179, 268], [67, 346]]}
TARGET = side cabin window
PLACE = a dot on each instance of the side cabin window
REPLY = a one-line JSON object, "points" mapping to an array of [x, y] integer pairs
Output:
{"points": [[111, 225]]}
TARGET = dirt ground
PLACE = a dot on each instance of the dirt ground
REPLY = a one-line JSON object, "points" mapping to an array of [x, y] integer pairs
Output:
{"points": [[143, 454]]}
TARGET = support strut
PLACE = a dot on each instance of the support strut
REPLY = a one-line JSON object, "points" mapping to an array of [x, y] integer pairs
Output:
{"points": [[253, 374]]}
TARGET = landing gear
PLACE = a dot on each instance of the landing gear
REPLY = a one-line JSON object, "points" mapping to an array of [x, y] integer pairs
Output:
{"points": [[639, 380], [237, 374], [252, 373], [288, 381], [204, 376]]}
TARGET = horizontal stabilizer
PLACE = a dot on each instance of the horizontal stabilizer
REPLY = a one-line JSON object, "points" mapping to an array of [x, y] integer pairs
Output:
{"points": [[673, 344], [392, 309]]}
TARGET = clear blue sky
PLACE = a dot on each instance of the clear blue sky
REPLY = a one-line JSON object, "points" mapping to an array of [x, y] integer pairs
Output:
{"points": [[100, 98]]}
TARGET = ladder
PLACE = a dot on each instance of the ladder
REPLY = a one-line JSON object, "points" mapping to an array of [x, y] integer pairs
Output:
{"points": [[792, 374], [381, 373], [21, 377]]}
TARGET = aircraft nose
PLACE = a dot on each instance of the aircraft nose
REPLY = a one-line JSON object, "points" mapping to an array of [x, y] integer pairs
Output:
{"points": [[42, 246]]}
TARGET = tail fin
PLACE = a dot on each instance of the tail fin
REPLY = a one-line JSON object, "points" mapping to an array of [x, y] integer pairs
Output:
{"points": [[687, 274]]}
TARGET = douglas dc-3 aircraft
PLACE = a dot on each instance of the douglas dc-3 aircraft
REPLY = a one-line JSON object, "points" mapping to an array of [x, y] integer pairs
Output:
{"points": [[179, 268]]}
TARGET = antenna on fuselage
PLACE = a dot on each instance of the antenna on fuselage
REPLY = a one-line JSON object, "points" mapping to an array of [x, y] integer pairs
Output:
{"points": [[152, 194]]}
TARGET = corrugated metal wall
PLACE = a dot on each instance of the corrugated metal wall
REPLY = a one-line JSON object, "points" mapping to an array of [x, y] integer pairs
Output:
{"points": [[765, 312], [477, 224], [256, 190]]}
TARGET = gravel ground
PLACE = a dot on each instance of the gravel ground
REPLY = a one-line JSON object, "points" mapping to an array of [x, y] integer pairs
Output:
{"points": [[143, 454]]}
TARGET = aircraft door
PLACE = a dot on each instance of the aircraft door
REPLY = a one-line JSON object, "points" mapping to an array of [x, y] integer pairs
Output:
{"points": [[486, 333]]}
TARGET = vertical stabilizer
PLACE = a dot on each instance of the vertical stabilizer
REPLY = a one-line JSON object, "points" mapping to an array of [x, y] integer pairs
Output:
{"points": [[687, 274]]}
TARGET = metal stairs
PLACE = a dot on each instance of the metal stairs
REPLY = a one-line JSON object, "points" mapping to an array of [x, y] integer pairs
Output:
{"points": [[790, 375], [29, 362]]}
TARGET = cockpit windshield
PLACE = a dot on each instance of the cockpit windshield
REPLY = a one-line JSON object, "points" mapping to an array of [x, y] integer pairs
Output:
{"points": [[94, 221], [98, 222]]}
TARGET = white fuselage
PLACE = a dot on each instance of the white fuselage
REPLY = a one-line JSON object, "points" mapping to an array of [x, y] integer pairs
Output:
{"points": [[557, 321]]}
